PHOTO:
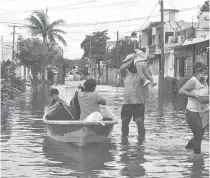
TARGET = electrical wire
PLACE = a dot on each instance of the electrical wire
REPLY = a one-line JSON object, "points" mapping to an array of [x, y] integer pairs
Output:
{"points": [[149, 16], [101, 23], [96, 6], [66, 7], [23, 10]]}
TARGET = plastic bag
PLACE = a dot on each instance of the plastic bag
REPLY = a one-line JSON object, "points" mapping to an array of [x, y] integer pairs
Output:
{"points": [[95, 117]]}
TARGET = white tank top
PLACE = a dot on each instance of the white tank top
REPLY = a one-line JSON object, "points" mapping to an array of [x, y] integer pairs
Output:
{"points": [[200, 89]]}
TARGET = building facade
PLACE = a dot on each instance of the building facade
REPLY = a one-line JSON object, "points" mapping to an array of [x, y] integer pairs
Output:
{"points": [[184, 43], [194, 48]]}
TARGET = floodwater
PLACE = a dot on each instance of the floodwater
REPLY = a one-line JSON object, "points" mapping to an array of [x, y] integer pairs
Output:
{"points": [[26, 150]]}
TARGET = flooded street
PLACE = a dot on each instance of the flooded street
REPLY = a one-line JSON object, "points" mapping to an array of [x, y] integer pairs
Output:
{"points": [[28, 152]]}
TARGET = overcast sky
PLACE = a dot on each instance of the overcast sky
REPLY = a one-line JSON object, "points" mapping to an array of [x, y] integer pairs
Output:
{"points": [[78, 14]]}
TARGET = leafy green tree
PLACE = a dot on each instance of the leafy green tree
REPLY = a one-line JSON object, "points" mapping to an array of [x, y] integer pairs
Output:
{"points": [[97, 41], [34, 53], [125, 47], [39, 25]]}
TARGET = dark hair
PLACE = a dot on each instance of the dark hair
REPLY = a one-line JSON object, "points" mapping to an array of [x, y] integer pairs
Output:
{"points": [[142, 49], [200, 66], [132, 68], [90, 85], [54, 91]]}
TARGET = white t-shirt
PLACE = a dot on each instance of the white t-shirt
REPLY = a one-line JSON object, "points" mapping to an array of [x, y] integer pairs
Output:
{"points": [[193, 104]]}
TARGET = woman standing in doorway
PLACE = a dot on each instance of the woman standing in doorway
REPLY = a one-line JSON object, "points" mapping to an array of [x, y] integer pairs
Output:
{"points": [[194, 87]]}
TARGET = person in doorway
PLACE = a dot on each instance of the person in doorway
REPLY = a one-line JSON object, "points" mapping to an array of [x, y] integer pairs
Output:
{"points": [[89, 100], [194, 87], [135, 95]]}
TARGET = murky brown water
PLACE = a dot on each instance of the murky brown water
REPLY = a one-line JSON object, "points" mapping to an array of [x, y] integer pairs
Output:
{"points": [[28, 152]]}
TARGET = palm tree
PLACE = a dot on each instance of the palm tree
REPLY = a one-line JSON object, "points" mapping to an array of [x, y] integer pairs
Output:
{"points": [[39, 25]]}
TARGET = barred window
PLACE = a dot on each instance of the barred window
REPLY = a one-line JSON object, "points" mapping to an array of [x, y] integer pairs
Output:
{"points": [[188, 67]]}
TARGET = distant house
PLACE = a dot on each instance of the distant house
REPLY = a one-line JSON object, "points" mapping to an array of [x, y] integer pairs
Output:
{"points": [[6, 49], [184, 42], [193, 48], [6, 54]]}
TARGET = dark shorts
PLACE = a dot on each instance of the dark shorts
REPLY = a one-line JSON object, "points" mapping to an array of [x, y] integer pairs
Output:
{"points": [[133, 110]]}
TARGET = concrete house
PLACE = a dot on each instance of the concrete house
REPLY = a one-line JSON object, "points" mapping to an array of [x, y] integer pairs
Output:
{"points": [[193, 48]]}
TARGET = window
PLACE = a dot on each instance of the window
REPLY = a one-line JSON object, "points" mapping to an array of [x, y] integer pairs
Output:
{"points": [[177, 67], [184, 67], [180, 67], [167, 34], [153, 40], [188, 67], [150, 39]]}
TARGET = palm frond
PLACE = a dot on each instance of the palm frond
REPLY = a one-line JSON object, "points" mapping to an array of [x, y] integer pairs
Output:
{"points": [[35, 22], [60, 38], [57, 31], [57, 23], [42, 16], [51, 38]]}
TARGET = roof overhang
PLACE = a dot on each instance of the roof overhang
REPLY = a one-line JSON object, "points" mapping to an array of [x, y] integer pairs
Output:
{"points": [[195, 41]]}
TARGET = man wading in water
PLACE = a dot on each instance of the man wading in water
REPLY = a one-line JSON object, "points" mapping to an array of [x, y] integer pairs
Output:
{"points": [[135, 95]]}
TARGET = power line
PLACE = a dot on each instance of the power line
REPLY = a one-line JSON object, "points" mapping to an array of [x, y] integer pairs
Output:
{"points": [[118, 21], [101, 23], [66, 7], [149, 16], [104, 5], [88, 2], [23, 10]]}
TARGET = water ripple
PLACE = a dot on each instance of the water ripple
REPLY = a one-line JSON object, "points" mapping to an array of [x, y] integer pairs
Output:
{"points": [[28, 152]]}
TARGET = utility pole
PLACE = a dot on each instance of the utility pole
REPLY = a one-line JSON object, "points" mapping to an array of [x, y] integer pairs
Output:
{"points": [[117, 45], [162, 47], [90, 53], [13, 44], [117, 49]]}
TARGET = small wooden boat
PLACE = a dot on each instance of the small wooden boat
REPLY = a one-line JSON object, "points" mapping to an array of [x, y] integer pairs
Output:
{"points": [[79, 132]]}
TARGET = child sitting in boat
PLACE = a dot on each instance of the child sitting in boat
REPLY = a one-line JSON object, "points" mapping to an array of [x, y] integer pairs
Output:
{"points": [[89, 100], [55, 101]]}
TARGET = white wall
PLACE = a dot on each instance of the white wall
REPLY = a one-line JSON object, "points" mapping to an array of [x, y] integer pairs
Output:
{"points": [[169, 64]]}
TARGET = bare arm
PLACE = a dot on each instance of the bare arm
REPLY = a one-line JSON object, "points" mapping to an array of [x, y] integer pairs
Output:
{"points": [[187, 88], [123, 68]]}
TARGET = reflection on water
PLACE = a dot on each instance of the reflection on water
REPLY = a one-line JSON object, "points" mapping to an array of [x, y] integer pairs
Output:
{"points": [[92, 158], [28, 152]]}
